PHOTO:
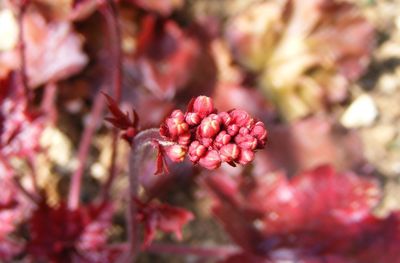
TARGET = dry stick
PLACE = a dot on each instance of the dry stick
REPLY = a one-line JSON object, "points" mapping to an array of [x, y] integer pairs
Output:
{"points": [[111, 15], [30, 161], [84, 145]]}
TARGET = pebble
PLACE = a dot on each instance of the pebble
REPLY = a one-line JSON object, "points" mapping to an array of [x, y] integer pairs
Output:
{"points": [[388, 83], [362, 112]]}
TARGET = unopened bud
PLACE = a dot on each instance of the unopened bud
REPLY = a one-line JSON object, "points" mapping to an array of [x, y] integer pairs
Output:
{"points": [[176, 125], [184, 139], [192, 118], [246, 156], [178, 115], [211, 160], [260, 133], [246, 141], [196, 151], [203, 105], [210, 126], [244, 130], [233, 129], [229, 152], [241, 118], [222, 139], [225, 118], [176, 152], [207, 142]]}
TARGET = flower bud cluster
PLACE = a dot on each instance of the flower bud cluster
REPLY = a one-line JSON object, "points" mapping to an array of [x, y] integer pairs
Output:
{"points": [[210, 138]]}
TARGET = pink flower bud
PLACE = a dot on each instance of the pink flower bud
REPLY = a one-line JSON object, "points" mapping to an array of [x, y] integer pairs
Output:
{"points": [[260, 133], [176, 125], [222, 139], [203, 105], [178, 115], [211, 160], [210, 126], [184, 139], [244, 130], [229, 152], [207, 142], [246, 141], [246, 156], [176, 152], [241, 118], [192, 118], [233, 129], [196, 151], [225, 118]]}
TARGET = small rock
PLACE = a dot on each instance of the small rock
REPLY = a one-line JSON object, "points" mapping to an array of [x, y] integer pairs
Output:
{"points": [[388, 83], [361, 113]]}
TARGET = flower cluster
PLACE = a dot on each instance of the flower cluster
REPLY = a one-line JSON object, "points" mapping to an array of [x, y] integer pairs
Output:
{"points": [[210, 138]]}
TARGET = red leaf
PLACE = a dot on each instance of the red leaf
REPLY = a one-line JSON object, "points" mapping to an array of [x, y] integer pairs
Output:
{"points": [[53, 50], [59, 234], [162, 217], [165, 56], [318, 216]]}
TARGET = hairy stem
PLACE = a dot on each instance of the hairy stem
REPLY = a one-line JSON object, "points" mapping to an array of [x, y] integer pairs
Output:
{"points": [[142, 140], [83, 151]]}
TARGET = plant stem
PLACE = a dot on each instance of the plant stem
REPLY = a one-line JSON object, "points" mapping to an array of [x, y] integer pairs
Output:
{"points": [[111, 15], [142, 140], [84, 146], [33, 197], [30, 161], [21, 48]]}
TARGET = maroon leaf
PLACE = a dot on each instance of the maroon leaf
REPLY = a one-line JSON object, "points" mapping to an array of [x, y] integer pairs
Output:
{"points": [[162, 217], [165, 56], [47, 44], [59, 234], [318, 216]]}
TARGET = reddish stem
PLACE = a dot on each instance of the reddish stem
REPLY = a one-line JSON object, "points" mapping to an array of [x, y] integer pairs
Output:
{"points": [[140, 142], [111, 15], [31, 196], [21, 48], [47, 104], [84, 146]]}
